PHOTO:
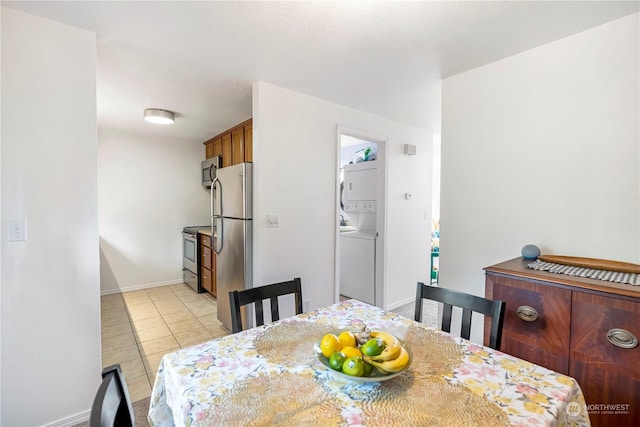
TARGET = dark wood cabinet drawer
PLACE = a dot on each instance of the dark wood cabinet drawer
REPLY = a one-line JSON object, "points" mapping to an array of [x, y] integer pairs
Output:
{"points": [[206, 257], [608, 374], [542, 339], [206, 279], [205, 240]]}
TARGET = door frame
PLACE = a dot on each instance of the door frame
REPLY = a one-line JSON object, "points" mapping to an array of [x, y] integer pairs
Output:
{"points": [[381, 210]]}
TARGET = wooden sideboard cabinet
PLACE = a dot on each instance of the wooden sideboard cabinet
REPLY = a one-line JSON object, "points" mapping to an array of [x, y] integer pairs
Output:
{"points": [[562, 322], [207, 265], [234, 145]]}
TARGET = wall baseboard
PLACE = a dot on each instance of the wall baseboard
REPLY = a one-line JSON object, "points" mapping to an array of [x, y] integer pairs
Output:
{"points": [[72, 420], [139, 287], [401, 303]]}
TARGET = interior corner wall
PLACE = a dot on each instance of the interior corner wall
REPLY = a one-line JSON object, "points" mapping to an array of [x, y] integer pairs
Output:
{"points": [[543, 148], [1, 218], [148, 190], [50, 336], [295, 155]]}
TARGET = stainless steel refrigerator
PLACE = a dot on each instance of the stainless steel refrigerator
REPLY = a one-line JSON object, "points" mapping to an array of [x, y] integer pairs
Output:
{"points": [[231, 217]]}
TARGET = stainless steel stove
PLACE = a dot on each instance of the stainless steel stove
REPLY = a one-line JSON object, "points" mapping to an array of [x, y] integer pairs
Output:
{"points": [[191, 257]]}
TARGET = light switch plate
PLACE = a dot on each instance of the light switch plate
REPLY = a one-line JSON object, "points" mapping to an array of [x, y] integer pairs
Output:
{"points": [[17, 230]]}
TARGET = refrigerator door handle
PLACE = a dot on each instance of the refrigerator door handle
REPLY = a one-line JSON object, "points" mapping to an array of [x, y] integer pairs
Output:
{"points": [[220, 238], [213, 186], [216, 185]]}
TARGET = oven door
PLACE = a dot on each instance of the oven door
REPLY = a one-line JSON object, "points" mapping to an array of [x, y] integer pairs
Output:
{"points": [[190, 252]]}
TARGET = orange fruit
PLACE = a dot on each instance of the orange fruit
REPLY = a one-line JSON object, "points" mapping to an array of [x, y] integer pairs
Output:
{"points": [[347, 339], [329, 345], [351, 352]]}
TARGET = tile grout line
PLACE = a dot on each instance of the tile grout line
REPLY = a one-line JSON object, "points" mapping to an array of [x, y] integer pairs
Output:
{"points": [[198, 307], [132, 325]]}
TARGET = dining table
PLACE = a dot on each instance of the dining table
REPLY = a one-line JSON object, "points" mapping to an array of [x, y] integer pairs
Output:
{"points": [[272, 375]]}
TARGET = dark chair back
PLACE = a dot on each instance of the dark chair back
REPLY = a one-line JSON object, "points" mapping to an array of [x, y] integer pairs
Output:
{"points": [[112, 405], [469, 303], [238, 299]]}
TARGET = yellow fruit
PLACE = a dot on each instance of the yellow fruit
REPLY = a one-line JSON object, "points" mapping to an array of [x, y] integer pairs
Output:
{"points": [[392, 346], [351, 352], [329, 345], [347, 339], [395, 365]]}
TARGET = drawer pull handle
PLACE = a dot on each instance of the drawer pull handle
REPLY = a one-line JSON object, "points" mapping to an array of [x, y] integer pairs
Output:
{"points": [[622, 338], [528, 314]]}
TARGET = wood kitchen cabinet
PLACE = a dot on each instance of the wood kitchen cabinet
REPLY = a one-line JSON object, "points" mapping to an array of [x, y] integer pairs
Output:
{"points": [[207, 265], [208, 149], [563, 323], [217, 147], [227, 158], [237, 145], [248, 142], [234, 145]]}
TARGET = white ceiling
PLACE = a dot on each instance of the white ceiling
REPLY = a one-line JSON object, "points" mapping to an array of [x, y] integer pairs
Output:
{"points": [[200, 59]]}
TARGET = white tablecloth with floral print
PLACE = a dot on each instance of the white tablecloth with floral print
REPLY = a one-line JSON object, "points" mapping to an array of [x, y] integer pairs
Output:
{"points": [[269, 376]]}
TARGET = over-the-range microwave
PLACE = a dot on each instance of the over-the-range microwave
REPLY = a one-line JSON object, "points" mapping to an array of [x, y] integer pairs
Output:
{"points": [[208, 170]]}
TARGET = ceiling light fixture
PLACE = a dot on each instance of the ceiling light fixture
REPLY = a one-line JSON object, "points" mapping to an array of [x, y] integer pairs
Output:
{"points": [[159, 117]]}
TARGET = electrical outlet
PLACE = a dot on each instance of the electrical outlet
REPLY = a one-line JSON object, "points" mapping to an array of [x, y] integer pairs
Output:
{"points": [[273, 220], [305, 305]]}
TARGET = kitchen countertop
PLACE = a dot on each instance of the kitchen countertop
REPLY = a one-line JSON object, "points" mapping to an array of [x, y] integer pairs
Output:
{"points": [[205, 231]]}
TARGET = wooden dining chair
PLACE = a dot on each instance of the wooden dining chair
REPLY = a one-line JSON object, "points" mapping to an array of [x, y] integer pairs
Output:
{"points": [[469, 304], [112, 405], [238, 299]]}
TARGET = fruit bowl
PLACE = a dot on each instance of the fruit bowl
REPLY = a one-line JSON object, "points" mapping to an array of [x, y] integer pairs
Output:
{"points": [[376, 374]]}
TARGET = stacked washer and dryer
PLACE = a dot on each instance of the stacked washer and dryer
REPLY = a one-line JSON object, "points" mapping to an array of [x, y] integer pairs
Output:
{"points": [[358, 248]]}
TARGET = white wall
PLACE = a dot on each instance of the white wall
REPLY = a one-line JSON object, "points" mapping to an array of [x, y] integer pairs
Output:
{"points": [[148, 190], [1, 217], [295, 176], [50, 283], [543, 148]]}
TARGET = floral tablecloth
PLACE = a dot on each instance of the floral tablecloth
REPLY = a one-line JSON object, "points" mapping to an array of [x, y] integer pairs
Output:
{"points": [[269, 376]]}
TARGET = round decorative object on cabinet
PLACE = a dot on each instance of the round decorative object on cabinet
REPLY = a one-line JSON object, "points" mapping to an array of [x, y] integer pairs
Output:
{"points": [[530, 252]]}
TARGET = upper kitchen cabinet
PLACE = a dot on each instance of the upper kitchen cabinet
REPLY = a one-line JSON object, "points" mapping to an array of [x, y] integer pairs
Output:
{"points": [[227, 158], [213, 147], [234, 145], [237, 145], [248, 142]]}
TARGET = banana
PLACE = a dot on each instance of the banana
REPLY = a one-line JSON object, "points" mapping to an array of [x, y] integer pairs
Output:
{"points": [[392, 346], [394, 365]]}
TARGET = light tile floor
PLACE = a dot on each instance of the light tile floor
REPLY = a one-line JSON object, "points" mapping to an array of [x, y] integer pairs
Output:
{"points": [[139, 327]]}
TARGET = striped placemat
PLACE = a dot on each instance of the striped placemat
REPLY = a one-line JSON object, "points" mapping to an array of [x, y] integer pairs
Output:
{"points": [[589, 273]]}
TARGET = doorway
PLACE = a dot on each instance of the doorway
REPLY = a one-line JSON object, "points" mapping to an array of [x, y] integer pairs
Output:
{"points": [[360, 216]]}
